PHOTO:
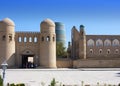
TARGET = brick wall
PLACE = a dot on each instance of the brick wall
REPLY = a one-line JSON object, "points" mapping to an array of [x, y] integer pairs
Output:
{"points": [[64, 63], [96, 63]]}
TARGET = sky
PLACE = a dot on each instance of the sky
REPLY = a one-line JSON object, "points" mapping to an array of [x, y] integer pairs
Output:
{"points": [[100, 17]]}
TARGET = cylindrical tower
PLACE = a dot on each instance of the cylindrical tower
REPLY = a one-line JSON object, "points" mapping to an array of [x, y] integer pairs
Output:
{"points": [[82, 43], [7, 42], [47, 44], [60, 33]]}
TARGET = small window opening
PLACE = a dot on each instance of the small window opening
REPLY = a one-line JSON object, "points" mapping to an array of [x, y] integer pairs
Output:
{"points": [[42, 38], [30, 39], [116, 52], [48, 38], [108, 51], [35, 39], [100, 51], [3, 38], [10, 37], [91, 51], [25, 39], [19, 39], [53, 38]]}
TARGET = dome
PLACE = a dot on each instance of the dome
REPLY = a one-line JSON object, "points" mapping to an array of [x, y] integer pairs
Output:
{"points": [[48, 22], [8, 22]]}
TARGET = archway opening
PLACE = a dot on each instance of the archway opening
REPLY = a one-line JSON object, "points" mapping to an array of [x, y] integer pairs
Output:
{"points": [[28, 61]]}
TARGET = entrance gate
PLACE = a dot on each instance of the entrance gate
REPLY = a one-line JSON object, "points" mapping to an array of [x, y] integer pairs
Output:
{"points": [[27, 61]]}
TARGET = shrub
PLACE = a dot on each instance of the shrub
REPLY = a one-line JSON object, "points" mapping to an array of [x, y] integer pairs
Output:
{"points": [[12, 84], [21, 84], [53, 82], [1, 81]]}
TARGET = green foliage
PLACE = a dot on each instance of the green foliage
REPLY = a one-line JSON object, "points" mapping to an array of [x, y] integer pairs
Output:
{"points": [[21, 84], [82, 83], [1, 81], [12, 84], [53, 82], [60, 50]]}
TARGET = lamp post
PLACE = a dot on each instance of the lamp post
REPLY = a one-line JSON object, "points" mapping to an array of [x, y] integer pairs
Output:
{"points": [[4, 67]]}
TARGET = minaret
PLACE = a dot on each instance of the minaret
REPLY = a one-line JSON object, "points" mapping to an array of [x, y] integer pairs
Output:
{"points": [[75, 40], [47, 44], [82, 43], [60, 33], [7, 42]]}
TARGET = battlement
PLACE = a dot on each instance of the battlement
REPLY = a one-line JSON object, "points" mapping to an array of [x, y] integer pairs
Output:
{"points": [[26, 32]]}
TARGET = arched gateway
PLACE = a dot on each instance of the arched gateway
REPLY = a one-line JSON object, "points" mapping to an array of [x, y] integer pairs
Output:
{"points": [[29, 59]]}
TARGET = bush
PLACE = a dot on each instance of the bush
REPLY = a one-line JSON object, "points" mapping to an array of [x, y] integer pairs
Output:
{"points": [[53, 82], [12, 84], [21, 84], [1, 81]]}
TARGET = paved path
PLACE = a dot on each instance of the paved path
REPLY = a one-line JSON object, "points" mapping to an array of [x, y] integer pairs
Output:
{"points": [[34, 77]]}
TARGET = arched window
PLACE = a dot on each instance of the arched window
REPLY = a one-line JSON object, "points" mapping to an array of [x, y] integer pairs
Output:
{"points": [[116, 51], [25, 39], [91, 51], [100, 51], [30, 39], [53, 38], [90, 42], [35, 39], [19, 39], [99, 42], [115, 42], [48, 38], [108, 51], [10, 37], [107, 42], [3, 38]]}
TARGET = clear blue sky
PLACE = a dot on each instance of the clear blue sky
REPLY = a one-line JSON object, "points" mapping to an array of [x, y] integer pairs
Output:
{"points": [[98, 16]]}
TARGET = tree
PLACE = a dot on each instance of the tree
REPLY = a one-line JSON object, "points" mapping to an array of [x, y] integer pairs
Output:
{"points": [[60, 50]]}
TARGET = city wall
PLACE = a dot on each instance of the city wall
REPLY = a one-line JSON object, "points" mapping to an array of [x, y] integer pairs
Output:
{"points": [[64, 63], [96, 63]]}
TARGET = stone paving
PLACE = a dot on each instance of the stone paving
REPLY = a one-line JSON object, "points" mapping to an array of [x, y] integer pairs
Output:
{"points": [[34, 77]]}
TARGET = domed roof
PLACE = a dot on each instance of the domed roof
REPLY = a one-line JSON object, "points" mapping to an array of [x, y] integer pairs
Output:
{"points": [[8, 21], [48, 22]]}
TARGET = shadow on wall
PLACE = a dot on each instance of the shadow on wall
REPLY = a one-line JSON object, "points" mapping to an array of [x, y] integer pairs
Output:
{"points": [[1, 61], [11, 61]]}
